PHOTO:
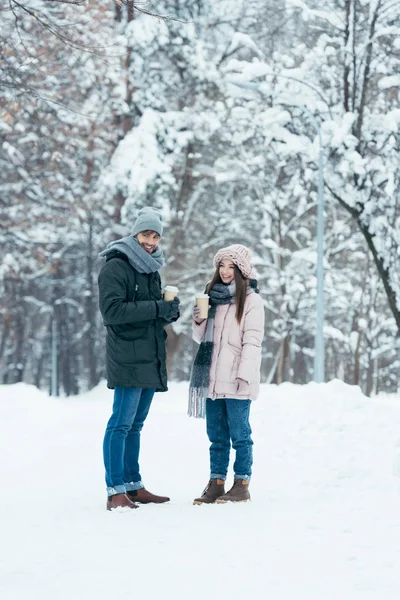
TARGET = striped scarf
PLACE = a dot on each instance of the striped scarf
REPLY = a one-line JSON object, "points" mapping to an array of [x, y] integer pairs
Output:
{"points": [[200, 376]]}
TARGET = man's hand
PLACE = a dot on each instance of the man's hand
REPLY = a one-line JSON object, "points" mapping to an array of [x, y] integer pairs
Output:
{"points": [[168, 310]]}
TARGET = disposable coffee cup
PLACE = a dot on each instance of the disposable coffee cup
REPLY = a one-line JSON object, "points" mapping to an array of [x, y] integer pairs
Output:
{"points": [[202, 302], [170, 291]]}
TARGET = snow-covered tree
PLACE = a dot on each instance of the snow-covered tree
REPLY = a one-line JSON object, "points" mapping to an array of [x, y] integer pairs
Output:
{"points": [[129, 110]]}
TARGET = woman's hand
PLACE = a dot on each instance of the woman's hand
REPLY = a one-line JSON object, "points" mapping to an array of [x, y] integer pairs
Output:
{"points": [[196, 314], [242, 386]]}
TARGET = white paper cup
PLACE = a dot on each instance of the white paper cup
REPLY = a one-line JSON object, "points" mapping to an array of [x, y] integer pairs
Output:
{"points": [[170, 291], [202, 301]]}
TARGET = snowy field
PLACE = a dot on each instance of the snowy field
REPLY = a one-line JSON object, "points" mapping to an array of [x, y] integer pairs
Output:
{"points": [[324, 522]]}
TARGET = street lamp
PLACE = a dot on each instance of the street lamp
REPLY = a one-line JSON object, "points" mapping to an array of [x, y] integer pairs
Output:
{"points": [[319, 347]]}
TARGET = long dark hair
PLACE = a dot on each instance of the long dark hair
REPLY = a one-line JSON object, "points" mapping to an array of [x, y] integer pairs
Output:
{"points": [[241, 290]]}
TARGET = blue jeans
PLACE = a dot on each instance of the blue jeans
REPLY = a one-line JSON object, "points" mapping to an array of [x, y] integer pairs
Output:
{"points": [[121, 444], [228, 420]]}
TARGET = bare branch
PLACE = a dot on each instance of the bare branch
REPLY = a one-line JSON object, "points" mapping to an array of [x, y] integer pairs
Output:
{"points": [[141, 7]]}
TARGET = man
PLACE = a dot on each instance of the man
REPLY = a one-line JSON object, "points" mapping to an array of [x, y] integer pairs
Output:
{"points": [[135, 315]]}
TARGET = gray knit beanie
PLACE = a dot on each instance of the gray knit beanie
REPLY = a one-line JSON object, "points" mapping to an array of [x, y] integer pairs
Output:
{"points": [[149, 219]]}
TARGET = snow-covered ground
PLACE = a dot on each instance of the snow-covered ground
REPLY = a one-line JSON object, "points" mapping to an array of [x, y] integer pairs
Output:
{"points": [[324, 522]]}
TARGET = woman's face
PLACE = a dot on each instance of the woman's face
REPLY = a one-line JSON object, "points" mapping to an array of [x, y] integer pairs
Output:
{"points": [[226, 270], [149, 240]]}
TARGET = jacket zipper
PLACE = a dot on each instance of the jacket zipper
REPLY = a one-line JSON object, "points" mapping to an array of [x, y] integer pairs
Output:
{"points": [[219, 352]]}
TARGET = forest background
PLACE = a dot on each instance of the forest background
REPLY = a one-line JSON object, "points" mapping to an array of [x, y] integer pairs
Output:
{"points": [[105, 109]]}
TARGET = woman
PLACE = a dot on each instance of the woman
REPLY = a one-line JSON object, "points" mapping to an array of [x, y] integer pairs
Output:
{"points": [[226, 370], [134, 314]]}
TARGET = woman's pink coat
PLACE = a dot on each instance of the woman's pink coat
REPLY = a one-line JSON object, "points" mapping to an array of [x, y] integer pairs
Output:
{"points": [[236, 350]]}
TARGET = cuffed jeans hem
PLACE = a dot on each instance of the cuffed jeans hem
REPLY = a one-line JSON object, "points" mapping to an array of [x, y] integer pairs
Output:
{"points": [[132, 486], [217, 476], [245, 477], [118, 489]]}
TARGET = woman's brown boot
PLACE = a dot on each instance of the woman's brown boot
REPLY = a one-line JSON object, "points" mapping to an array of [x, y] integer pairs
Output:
{"points": [[214, 489], [239, 492]]}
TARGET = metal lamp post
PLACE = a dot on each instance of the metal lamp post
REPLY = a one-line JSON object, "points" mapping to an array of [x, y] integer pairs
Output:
{"points": [[54, 358], [319, 348]]}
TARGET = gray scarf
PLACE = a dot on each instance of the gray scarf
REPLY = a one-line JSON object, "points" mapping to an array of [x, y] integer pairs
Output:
{"points": [[137, 256]]}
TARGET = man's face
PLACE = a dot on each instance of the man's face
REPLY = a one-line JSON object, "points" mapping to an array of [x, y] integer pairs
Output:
{"points": [[149, 240]]}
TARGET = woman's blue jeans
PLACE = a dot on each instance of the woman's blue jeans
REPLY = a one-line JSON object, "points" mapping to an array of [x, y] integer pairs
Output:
{"points": [[228, 420], [121, 444]]}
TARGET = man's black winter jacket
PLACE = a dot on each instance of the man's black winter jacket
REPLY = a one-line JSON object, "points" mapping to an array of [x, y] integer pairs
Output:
{"points": [[135, 345]]}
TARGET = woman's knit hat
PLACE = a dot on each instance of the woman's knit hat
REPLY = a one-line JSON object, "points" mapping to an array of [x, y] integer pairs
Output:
{"points": [[149, 219], [240, 256]]}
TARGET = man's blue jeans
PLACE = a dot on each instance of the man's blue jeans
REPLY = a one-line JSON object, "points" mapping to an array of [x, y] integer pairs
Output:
{"points": [[228, 420], [122, 439]]}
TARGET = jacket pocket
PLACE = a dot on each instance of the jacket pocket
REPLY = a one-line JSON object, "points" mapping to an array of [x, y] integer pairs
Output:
{"points": [[120, 351], [235, 366], [126, 332]]}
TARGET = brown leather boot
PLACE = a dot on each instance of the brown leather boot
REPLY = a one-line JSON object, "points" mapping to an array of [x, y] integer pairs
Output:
{"points": [[144, 497], [239, 492], [214, 489], [120, 501]]}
